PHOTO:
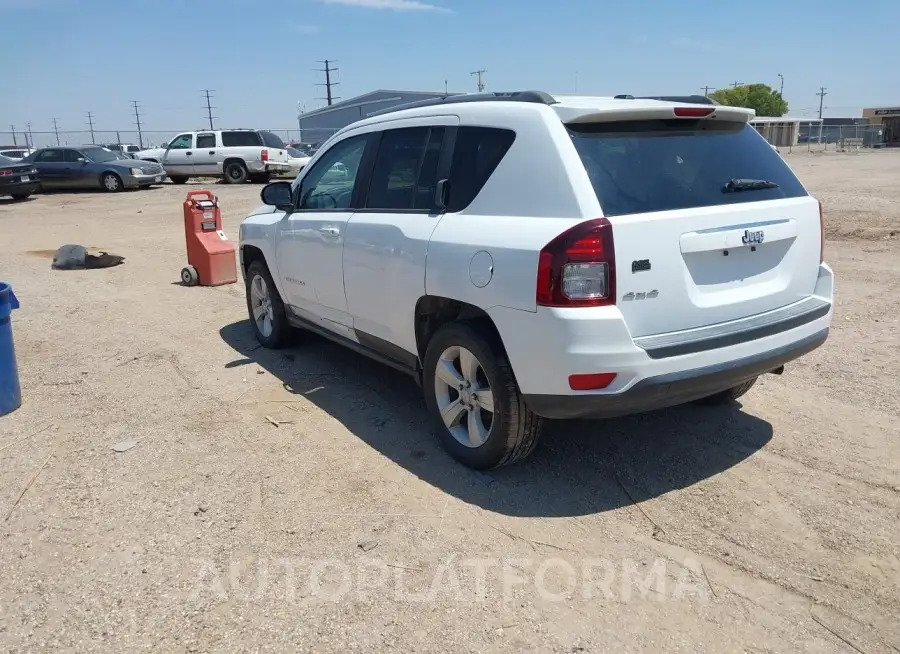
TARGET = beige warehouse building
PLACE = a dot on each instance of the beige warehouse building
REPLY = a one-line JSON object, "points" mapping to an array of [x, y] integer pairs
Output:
{"points": [[889, 118]]}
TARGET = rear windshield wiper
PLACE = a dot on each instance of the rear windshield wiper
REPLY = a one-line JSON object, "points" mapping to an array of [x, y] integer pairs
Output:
{"points": [[734, 185]]}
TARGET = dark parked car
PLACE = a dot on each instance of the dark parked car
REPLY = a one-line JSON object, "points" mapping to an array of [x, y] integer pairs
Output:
{"points": [[92, 167], [17, 179]]}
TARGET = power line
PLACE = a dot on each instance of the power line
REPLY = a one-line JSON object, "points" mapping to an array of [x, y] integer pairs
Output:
{"points": [[56, 131], [822, 93], [209, 108], [480, 73], [707, 89], [137, 121], [90, 118], [329, 97]]}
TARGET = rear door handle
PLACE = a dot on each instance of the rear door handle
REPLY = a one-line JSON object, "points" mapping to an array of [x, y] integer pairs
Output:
{"points": [[188, 154], [330, 231], [211, 152]]}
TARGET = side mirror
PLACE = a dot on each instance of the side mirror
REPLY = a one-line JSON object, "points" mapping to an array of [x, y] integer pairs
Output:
{"points": [[278, 195]]}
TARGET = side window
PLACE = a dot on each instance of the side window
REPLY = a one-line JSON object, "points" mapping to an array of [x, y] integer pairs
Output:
{"points": [[71, 156], [477, 154], [241, 139], [50, 156], [206, 141], [405, 169], [329, 183], [182, 142]]}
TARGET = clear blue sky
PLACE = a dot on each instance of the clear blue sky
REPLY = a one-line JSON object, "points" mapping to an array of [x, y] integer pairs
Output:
{"points": [[63, 58]]}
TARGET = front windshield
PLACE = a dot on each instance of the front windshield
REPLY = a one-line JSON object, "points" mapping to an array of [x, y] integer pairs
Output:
{"points": [[101, 155]]}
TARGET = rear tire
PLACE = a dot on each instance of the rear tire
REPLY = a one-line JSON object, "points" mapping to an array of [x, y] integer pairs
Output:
{"points": [[729, 395], [18, 197], [472, 394], [235, 172], [178, 179], [265, 308]]}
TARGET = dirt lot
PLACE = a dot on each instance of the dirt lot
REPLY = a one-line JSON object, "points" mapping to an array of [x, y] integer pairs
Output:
{"points": [[774, 527]]}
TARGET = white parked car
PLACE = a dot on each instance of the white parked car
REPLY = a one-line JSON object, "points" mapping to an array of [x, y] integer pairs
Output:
{"points": [[529, 257], [296, 160], [235, 155]]}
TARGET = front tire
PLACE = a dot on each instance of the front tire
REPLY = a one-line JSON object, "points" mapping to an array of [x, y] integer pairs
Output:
{"points": [[235, 172], [472, 394], [729, 395], [111, 183], [265, 308]]}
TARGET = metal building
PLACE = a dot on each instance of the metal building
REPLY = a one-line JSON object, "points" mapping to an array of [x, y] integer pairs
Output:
{"points": [[318, 125]]}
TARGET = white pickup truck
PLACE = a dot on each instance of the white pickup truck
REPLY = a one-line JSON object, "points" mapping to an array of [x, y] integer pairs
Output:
{"points": [[236, 155]]}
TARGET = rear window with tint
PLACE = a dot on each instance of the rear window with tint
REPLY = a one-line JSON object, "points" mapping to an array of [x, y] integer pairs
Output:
{"points": [[240, 139], [477, 154], [272, 140], [660, 165]]}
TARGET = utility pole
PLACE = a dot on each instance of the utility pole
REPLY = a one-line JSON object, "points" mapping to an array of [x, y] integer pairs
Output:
{"points": [[822, 93], [29, 137], [329, 97], [480, 73], [209, 108], [90, 118], [707, 89], [446, 92], [56, 131], [13, 128], [137, 121], [781, 91], [734, 85]]}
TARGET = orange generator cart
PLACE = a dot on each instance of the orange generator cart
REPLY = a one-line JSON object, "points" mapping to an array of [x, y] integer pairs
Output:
{"points": [[211, 256]]}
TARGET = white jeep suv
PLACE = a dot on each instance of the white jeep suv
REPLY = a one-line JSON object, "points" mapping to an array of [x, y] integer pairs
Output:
{"points": [[528, 257]]}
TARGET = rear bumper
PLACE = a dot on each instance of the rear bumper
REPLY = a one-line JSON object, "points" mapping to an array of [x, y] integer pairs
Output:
{"points": [[271, 167], [670, 389], [18, 188]]}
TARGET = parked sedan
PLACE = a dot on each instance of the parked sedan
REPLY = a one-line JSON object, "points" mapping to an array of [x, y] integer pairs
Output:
{"points": [[92, 167], [17, 179]]}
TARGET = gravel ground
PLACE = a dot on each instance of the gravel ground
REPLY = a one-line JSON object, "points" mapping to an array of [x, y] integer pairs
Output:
{"points": [[773, 527]]}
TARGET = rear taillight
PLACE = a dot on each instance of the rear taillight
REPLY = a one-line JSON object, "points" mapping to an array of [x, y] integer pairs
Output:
{"points": [[692, 112], [821, 234], [578, 267], [264, 155], [5, 173]]}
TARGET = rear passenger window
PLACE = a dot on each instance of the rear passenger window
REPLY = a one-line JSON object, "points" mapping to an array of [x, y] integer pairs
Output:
{"points": [[477, 154], [405, 172], [240, 139], [206, 141]]}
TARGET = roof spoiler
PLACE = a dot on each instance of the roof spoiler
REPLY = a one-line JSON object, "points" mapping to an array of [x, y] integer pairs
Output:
{"points": [[538, 97]]}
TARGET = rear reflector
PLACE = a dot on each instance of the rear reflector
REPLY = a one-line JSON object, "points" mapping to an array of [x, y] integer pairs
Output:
{"points": [[693, 112], [591, 382]]}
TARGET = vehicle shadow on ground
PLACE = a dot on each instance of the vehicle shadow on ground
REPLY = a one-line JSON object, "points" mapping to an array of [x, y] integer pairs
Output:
{"points": [[580, 467]]}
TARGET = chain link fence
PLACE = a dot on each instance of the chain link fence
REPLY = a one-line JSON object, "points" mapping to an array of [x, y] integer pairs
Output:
{"points": [[838, 138]]}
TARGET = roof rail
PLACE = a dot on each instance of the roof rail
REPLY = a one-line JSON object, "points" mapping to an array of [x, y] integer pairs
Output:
{"points": [[688, 99], [537, 97]]}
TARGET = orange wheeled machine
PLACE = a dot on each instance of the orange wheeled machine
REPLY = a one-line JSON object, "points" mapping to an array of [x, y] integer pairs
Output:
{"points": [[211, 256]]}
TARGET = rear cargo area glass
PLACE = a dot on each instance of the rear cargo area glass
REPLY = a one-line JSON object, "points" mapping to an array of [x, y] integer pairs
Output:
{"points": [[661, 165]]}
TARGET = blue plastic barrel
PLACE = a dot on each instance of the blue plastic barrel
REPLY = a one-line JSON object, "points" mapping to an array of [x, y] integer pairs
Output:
{"points": [[10, 391]]}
